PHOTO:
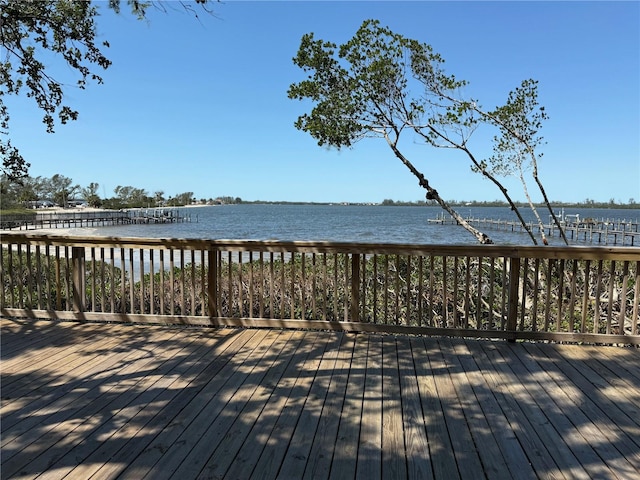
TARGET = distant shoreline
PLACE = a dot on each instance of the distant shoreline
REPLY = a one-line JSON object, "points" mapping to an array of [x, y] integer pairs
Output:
{"points": [[495, 204]]}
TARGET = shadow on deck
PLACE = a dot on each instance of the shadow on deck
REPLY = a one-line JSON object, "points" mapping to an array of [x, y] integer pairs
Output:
{"points": [[88, 400]]}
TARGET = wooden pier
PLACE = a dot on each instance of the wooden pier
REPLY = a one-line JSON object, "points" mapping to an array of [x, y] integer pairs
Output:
{"points": [[108, 401], [157, 215], [94, 218], [589, 230]]}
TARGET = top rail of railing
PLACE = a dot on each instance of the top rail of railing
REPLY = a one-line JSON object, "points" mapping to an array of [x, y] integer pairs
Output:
{"points": [[495, 251]]}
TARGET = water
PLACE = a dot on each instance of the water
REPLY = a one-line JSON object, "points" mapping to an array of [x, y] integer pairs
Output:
{"points": [[339, 223]]}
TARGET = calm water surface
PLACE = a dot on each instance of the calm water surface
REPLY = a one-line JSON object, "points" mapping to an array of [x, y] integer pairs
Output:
{"points": [[350, 223]]}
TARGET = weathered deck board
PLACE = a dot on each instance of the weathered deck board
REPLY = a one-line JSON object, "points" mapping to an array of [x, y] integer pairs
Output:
{"points": [[345, 444], [301, 443], [322, 449], [191, 408], [601, 418], [440, 446], [526, 403], [137, 419], [464, 451], [507, 407], [370, 454], [498, 448], [105, 422], [214, 423], [32, 381], [118, 401]]}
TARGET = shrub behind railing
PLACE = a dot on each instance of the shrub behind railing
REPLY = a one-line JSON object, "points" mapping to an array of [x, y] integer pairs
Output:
{"points": [[557, 293]]}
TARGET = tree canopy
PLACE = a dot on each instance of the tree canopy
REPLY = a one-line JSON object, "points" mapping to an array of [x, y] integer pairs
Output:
{"points": [[381, 84], [60, 190], [31, 32]]}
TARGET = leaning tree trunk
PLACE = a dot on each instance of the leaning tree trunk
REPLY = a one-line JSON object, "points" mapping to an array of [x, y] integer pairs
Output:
{"points": [[548, 204], [484, 172], [478, 166], [432, 194], [533, 207], [505, 194]]}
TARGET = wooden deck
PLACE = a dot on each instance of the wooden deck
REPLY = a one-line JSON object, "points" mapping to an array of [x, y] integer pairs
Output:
{"points": [[118, 401]]}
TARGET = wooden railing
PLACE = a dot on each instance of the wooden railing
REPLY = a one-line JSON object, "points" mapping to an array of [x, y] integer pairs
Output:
{"points": [[585, 294]]}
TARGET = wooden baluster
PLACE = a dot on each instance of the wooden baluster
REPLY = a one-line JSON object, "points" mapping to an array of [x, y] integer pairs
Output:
{"points": [[514, 284]]}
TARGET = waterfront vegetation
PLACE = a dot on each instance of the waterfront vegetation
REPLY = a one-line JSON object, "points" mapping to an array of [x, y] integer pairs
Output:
{"points": [[23, 195], [480, 292]]}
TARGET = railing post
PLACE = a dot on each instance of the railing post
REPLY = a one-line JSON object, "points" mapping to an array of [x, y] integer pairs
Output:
{"points": [[212, 282], [355, 287], [79, 288], [514, 288]]}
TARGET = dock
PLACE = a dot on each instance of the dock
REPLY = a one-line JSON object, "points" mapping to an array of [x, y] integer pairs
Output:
{"points": [[602, 231], [94, 218], [86, 400], [158, 215]]}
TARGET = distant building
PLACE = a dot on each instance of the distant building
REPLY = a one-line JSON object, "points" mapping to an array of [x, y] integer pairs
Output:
{"points": [[39, 204]]}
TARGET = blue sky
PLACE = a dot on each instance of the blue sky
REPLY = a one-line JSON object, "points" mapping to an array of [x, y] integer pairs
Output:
{"points": [[201, 105]]}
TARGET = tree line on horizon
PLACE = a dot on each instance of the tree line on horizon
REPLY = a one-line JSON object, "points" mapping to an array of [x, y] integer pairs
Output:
{"points": [[31, 192], [586, 203]]}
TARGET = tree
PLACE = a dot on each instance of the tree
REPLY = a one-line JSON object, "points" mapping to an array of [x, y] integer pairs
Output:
{"points": [[158, 197], [61, 189], [14, 194], [519, 121], [364, 88], [368, 98], [31, 31], [183, 198], [448, 119], [91, 196], [131, 197]]}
